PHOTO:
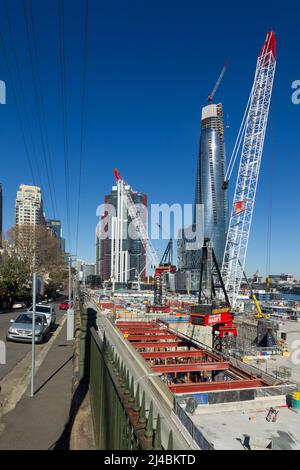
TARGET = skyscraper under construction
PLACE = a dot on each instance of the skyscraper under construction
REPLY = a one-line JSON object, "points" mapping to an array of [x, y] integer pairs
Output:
{"points": [[210, 178], [210, 193]]}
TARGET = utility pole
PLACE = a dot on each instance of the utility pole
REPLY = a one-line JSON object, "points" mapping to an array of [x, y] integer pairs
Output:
{"points": [[33, 334], [70, 313]]}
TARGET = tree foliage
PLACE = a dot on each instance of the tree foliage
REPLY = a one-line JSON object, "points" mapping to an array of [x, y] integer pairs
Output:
{"points": [[34, 249]]}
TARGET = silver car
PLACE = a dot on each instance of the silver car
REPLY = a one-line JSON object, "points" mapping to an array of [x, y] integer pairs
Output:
{"points": [[21, 328]]}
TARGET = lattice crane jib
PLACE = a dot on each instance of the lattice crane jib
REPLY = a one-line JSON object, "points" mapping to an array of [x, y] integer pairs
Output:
{"points": [[255, 123]]}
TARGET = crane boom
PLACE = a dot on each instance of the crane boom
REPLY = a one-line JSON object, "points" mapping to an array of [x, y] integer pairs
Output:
{"points": [[251, 153], [218, 82], [136, 219]]}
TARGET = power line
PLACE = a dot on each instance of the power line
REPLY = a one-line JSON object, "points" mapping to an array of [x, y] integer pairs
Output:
{"points": [[64, 111], [38, 105], [20, 85], [5, 55], [42, 105], [85, 54]]}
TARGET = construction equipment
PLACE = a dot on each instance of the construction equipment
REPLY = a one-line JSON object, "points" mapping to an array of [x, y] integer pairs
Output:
{"points": [[136, 219], [252, 133], [211, 311], [258, 313], [165, 266], [217, 84]]}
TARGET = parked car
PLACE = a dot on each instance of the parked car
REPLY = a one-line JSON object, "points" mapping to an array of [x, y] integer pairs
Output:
{"points": [[21, 328], [19, 305], [64, 305], [48, 311]]}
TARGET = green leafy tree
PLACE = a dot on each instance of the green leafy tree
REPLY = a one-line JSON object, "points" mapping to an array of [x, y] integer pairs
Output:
{"points": [[14, 279]]}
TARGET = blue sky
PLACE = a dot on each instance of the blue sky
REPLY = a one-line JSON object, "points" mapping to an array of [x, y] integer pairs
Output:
{"points": [[151, 65]]}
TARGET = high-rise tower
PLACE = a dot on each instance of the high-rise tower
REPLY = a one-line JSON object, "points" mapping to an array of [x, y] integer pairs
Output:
{"points": [[210, 178]]}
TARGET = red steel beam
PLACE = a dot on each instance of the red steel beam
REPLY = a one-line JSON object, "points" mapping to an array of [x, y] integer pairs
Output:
{"points": [[136, 331], [129, 324], [194, 367], [158, 345], [146, 337], [212, 386], [173, 354]]}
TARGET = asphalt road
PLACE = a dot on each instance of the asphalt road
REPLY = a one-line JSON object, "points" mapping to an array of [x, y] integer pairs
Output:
{"points": [[15, 352]]}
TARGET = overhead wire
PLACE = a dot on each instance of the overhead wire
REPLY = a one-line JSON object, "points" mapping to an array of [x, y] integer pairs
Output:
{"points": [[38, 104], [15, 97], [22, 93], [39, 81], [64, 113], [82, 114]]}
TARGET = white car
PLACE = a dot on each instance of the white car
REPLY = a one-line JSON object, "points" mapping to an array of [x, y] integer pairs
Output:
{"points": [[48, 311], [18, 305]]}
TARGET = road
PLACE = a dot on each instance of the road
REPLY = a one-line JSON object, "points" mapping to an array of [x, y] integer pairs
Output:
{"points": [[15, 352]]}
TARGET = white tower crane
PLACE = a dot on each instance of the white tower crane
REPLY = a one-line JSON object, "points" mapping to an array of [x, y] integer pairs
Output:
{"points": [[136, 219], [252, 132]]}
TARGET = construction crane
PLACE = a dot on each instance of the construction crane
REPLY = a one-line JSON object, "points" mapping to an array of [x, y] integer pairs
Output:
{"points": [[136, 219], [217, 84], [252, 134], [258, 311], [165, 266], [211, 311], [166, 263]]}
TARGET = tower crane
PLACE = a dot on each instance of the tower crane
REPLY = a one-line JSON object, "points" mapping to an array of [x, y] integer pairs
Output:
{"points": [[217, 84], [251, 136], [136, 219], [166, 263]]}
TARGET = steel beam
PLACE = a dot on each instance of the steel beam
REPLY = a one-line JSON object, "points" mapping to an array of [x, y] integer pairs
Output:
{"points": [[146, 337], [136, 331], [194, 367], [158, 345], [213, 386], [173, 354]]}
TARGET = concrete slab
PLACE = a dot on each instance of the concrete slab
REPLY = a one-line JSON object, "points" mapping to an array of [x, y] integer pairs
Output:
{"points": [[236, 429]]}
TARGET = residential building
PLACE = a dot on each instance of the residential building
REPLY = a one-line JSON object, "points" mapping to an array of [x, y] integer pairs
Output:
{"points": [[29, 206]]}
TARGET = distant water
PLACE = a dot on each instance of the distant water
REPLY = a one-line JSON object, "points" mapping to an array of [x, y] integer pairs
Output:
{"points": [[291, 297]]}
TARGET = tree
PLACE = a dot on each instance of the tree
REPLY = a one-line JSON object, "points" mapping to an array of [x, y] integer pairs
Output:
{"points": [[14, 279], [39, 249]]}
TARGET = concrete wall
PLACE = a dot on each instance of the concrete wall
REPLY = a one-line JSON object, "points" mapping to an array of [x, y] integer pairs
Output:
{"points": [[199, 333]]}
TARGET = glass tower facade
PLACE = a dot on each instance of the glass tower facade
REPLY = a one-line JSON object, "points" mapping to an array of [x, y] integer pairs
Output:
{"points": [[210, 178], [209, 193]]}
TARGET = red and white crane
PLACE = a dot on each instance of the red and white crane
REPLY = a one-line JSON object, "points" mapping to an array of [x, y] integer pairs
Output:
{"points": [[250, 138]]}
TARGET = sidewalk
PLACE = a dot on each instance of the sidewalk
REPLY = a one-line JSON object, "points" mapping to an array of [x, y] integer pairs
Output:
{"points": [[41, 422]]}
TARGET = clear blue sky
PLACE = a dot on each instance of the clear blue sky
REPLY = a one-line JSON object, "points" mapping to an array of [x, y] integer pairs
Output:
{"points": [[151, 65]]}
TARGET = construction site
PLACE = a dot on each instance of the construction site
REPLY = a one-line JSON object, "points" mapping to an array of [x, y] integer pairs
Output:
{"points": [[205, 348]]}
